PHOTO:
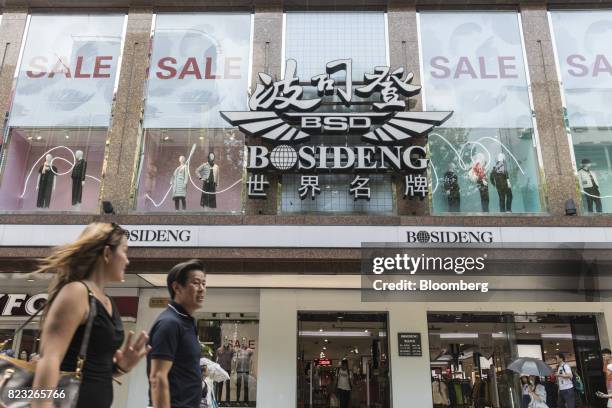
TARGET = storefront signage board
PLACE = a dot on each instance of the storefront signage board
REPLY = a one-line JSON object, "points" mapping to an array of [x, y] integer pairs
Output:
{"points": [[409, 345], [310, 236]]}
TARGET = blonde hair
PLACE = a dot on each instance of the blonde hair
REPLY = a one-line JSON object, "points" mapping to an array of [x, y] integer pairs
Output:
{"points": [[78, 260]]}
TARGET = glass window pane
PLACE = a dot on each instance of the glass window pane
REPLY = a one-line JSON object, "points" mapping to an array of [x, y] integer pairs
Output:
{"points": [[191, 169], [584, 51], [52, 169], [199, 66], [313, 39], [484, 158], [67, 72]]}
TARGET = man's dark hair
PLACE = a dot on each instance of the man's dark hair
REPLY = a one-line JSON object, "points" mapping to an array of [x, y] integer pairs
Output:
{"points": [[561, 356], [606, 351], [180, 273]]}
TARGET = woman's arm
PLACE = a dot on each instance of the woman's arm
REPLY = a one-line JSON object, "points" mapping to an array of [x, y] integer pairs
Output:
{"points": [[69, 309]]}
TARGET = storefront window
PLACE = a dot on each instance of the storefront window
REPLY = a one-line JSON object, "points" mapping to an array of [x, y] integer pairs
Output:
{"points": [[191, 170], [53, 169], [484, 158], [53, 153], [584, 52], [190, 159], [313, 39], [469, 354], [232, 342]]}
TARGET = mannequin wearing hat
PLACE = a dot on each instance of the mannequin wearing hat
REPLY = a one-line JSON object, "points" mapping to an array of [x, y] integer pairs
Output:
{"points": [[589, 186]]}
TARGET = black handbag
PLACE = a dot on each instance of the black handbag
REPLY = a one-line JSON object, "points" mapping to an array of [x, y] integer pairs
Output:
{"points": [[17, 376]]}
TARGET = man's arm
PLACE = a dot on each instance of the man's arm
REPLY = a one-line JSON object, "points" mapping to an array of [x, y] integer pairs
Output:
{"points": [[160, 387]]}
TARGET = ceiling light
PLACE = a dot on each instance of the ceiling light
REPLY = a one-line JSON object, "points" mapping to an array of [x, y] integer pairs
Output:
{"points": [[324, 348], [320, 330], [458, 335], [327, 341], [166, 137], [366, 331], [556, 336], [67, 137], [322, 333], [38, 137], [201, 137], [30, 280]]}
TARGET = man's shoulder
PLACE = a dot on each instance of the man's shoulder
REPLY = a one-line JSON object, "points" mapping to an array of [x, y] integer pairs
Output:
{"points": [[166, 319]]}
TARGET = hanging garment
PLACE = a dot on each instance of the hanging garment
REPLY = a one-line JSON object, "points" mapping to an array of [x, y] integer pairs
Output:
{"points": [[440, 393], [78, 177], [46, 183]]}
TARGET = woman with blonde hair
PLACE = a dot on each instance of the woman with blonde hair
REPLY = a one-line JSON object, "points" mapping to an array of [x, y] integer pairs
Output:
{"points": [[82, 269]]}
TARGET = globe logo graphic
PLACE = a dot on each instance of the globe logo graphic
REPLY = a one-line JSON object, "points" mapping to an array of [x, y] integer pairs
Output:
{"points": [[423, 236], [283, 157]]}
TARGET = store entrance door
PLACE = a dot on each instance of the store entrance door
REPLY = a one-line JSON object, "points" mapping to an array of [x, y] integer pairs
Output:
{"points": [[343, 360]]}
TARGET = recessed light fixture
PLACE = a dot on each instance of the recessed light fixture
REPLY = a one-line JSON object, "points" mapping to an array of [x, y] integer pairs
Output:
{"points": [[320, 330], [366, 330], [38, 137], [201, 137], [30, 280], [67, 136], [166, 137]]}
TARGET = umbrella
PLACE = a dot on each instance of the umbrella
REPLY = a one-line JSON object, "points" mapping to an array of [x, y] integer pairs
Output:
{"points": [[215, 372], [530, 366]]}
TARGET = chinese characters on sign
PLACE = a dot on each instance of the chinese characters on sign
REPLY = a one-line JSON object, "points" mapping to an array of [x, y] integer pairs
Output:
{"points": [[280, 116]]}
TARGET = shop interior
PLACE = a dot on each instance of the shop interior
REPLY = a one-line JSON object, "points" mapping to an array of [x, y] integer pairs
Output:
{"points": [[324, 340], [469, 354], [231, 340]]}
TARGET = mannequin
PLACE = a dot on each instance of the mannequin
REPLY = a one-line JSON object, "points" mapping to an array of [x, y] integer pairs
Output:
{"points": [[501, 181], [477, 175], [179, 184], [78, 178], [451, 188], [209, 174], [225, 354], [46, 182], [590, 186], [243, 369]]}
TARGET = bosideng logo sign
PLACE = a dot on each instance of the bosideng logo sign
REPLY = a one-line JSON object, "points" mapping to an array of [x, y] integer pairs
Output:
{"points": [[281, 117], [449, 237]]}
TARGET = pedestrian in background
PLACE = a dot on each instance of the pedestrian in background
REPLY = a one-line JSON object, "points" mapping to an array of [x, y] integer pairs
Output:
{"points": [[567, 398], [82, 269]]}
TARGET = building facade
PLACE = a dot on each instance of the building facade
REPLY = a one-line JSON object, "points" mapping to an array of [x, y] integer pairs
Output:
{"points": [[273, 139]]}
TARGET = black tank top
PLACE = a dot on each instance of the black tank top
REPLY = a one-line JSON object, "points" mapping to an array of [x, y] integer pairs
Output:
{"points": [[106, 337]]}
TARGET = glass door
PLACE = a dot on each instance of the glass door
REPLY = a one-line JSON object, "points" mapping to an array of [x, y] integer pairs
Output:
{"points": [[343, 360]]}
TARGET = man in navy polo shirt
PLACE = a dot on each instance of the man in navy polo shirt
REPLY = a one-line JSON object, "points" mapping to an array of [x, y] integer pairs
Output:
{"points": [[173, 365]]}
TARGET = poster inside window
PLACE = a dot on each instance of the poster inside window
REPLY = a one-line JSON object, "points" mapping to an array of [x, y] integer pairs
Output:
{"points": [[193, 170], [584, 52], [52, 169], [484, 159], [313, 39], [68, 70], [199, 66]]}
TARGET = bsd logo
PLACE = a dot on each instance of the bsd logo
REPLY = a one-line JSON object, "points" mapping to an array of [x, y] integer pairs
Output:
{"points": [[336, 124]]}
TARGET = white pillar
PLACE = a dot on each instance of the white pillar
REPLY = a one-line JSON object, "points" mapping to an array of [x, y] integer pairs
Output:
{"points": [[277, 365], [136, 380], [410, 376]]}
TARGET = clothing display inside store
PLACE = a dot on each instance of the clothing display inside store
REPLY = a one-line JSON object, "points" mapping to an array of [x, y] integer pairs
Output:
{"points": [[233, 345], [470, 353], [52, 170], [196, 183]]}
